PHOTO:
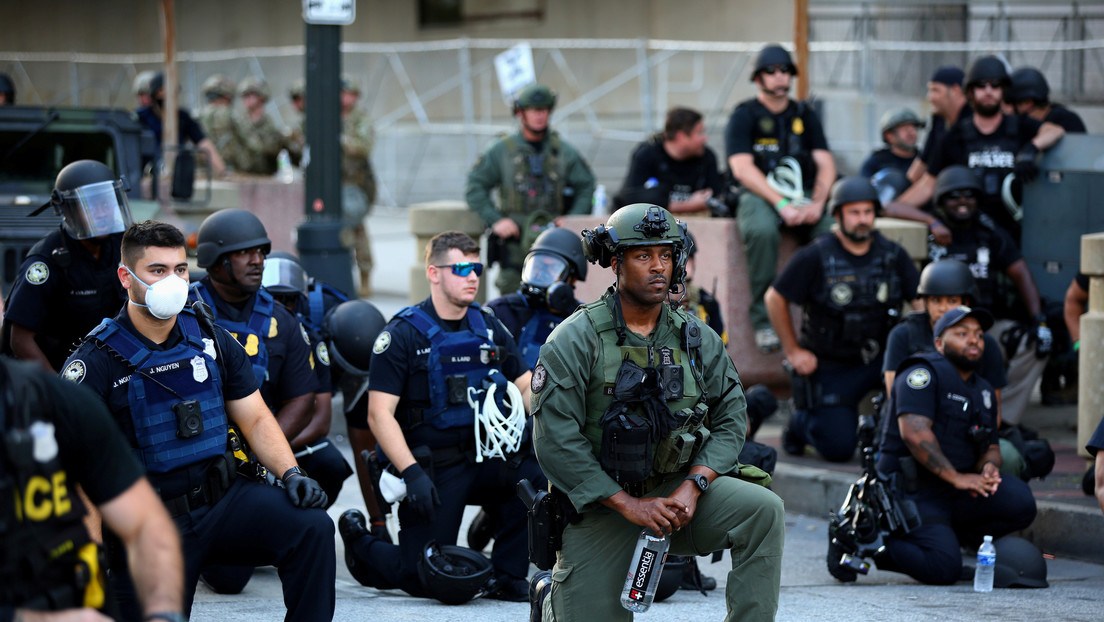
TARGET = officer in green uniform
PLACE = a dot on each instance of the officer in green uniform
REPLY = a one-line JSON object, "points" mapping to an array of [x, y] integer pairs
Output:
{"points": [[639, 418], [217, 117], [539, 176]]}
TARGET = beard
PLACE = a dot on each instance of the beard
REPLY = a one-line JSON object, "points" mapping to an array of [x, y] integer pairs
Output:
{"points": [[855, 235], [987, 111], [961, 361]]}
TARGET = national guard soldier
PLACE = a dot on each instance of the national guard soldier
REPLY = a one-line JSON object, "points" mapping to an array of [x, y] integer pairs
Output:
{"points": [[851, 284], [174, 382], [447, 404], [358, 180], [217, 118], [67, 283], [610, 443], [940, 440], [778, 153], [1030, 96], [297, 131], [540, 177], [56, 435], [261, 140]]}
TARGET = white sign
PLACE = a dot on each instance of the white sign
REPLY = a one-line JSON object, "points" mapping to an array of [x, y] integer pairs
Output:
{"points": [[515, 70], [338, 12]]}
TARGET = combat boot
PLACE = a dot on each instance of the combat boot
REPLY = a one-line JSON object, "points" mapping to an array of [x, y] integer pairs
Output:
{"points": [[539, 588]]}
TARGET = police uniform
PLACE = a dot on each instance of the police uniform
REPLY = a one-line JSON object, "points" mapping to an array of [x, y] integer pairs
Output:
{"points": [[223, 519], [930, 386], [189, 129], [403, 364], [850, 304], [62, 291], [914, 336], [70, 433], [537, 182], [655, 177], [795, 132], [529, 322], [702, 305], [1066, 119], [323, 460], [571, 391]]}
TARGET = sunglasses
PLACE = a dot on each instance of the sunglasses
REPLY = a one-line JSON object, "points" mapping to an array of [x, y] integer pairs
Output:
{"points": [[993, 84], [770, 71], [464, 269], [960, 194]]}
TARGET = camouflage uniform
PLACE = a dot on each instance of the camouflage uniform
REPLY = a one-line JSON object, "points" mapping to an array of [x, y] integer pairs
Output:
{"points": [[217, 121], [261, 141], [358, 186]]}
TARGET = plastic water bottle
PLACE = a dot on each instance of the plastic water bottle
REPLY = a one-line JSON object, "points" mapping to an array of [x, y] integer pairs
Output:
{"points": [[644, 571], [284, 172], [986, 566], [599, 205]]}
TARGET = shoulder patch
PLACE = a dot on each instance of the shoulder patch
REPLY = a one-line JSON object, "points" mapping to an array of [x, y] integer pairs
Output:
{"points": [[382, 343], [38, 273], [919, 378], [306, 337], [323, 353], [74, 372], [540, 375]]}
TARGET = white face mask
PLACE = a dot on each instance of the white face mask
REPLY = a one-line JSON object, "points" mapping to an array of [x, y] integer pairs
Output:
{"points": [[164, 298]]}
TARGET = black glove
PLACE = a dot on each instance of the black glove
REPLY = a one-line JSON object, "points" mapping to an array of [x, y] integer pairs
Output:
{"points": [[303, 491], [1025, 168], [1044, 340], [421, 494]]}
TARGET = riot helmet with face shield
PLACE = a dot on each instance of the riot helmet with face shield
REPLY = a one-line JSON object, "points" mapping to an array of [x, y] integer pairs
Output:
{"points": [[91, 201]]}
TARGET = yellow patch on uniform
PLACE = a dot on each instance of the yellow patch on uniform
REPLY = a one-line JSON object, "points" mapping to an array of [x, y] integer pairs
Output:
{"points": [[798, 126], [303, 332], [919, 378], [272, 330]]}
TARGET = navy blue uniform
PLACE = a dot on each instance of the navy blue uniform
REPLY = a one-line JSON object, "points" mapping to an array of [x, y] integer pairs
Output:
{"points": [[62, 292], [929, 386], [400, 366], [323, 460], [1096, 441], [914, 336], [252, 523], [529, 323]]}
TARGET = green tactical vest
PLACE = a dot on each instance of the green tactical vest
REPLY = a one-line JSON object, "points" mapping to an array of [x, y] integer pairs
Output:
{"points": [[527, 192]]}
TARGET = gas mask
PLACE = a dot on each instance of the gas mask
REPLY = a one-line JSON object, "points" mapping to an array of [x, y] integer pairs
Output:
{"points": [[164, 298], [543, 281]]}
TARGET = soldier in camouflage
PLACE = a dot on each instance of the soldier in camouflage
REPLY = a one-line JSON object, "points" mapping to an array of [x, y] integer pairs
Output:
{"points": [[261, 139], [297, 119], [217, 117], [358, 182]]}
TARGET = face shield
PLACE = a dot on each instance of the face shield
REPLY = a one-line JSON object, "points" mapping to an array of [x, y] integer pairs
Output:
{"points": [[541, 270], [94, 210], [284, 276]]}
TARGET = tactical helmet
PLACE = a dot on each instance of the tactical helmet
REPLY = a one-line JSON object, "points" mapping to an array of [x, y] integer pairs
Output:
{"points": [[1029, 83], [691, 244], [229, 230], [1019, 564], [564, 244], [255, 86], [956, 177], [899, 116], [283, 274], [297, 88], [156, 83], [218, 85], [349, 85], [350, 330], [948, 277], [987, 68], [639, 224], [671, 579], [7, 87], [535, 96], [454, 574], [142, 81], [91, 201], [853, 190], [770, 56]]}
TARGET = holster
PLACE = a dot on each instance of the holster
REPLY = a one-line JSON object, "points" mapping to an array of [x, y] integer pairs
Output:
{"points": [[546, 524], [804, 389]]}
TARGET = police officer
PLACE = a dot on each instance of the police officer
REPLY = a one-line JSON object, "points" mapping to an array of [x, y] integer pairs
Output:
{"points": [[995, 261], [942, 437], [675, 168], [261, 140], [631, 333], [777, 152], [539, 176], [1030, 95], [217, 118], [67, 283], [900, 130], [173, 382], [439, 371], [57, 435], [189, 130], [851, 284]]}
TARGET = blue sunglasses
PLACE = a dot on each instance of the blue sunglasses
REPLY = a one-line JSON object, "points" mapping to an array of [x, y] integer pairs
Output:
{"points": [[464, 269]]}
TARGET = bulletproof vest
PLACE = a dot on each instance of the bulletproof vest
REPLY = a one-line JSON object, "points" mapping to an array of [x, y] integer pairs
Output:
{"points": [[317, 294], [851, 312], [535, 333], [252, 333], [995, 290], [994, 156], [920, 338], [457, 360], [536, 180], [159, 382], [776, 136], [46, 545]]}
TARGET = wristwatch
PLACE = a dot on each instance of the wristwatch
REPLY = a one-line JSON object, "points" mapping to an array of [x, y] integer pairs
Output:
{"points": [[701, 481]]}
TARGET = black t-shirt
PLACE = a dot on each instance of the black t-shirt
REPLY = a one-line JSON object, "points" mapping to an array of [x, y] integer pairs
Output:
{"points": [[1066, 119], [989, 252], [187, 127], [768, 137], [804, 272], [883, 159], [937, 129], [901, 344], [1096, 441], [674, 180]]}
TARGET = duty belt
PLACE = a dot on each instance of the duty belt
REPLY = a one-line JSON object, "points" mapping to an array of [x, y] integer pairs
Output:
{"points": [[220, 476]]}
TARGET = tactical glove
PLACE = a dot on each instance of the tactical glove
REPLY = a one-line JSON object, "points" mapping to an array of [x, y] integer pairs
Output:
{"points": [[1025, 168], [421, 494], [304, 491]]}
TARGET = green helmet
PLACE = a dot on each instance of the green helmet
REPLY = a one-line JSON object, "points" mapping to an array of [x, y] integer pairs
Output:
{"points": [[899, 116], [639, 224], [218, 85], [535, 96], [257, 86]]}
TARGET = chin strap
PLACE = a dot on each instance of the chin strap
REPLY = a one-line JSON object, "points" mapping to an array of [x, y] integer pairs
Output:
{"points": [[499, 417]]}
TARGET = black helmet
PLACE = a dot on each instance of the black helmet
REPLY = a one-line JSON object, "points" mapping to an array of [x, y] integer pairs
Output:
{"points": [[350, 330], [671, 579], [7, 87], [956, 177], [770, 56], [987, 68], [1019, 564], [228, 230], [283, 274], [691, 244], [948, 277], [639, 224], [454, 574], [535, 96], [564, 244], [853, 190], [1029, 83], [91, 201]]}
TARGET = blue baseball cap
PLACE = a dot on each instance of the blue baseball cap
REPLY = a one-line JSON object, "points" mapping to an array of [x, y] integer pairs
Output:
{"points": [[949, 75], [956, 315]]}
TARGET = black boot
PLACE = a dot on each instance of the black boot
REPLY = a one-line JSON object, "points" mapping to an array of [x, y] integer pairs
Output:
{"points": [[540, 586], [480, 531], [693, 579], [352, 527]]}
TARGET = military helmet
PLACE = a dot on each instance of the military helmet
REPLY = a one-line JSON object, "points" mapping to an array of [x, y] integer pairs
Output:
{"points": [[770, 56], [987, 68], [349, 85], [564, 244], [283, 274], [535, 96], [91, 201], [899, 116], [7, 87], [639, 224], [298, 88], [1028, 83], [454, 574], [218, 85], [948, 277], [1019, 564], [254, 85], [956, 177], [229, 230], [853, 190]]}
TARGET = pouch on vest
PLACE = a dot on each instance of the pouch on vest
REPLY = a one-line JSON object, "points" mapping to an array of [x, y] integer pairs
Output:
{"points": [[626, 453], [676, 450]]}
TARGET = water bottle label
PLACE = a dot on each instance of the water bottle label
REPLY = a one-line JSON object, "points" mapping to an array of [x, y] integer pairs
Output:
{"points": [[642, 574]]}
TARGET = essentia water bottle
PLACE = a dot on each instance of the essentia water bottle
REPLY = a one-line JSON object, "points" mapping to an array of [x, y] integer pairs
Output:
{"points": [[986, 566], [644, 571]]}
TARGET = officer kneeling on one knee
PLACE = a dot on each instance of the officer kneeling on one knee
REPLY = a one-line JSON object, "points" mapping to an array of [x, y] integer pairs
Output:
{"points": [[639, 418], [447, 403], [174, 381], [942, 437]]}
